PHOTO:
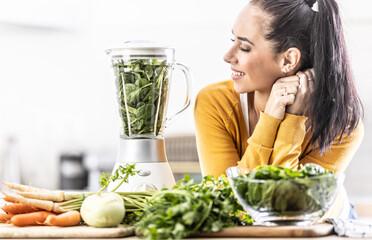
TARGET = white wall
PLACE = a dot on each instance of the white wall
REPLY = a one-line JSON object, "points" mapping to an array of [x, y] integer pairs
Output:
{"points": [[358, 31], [56, 87]]}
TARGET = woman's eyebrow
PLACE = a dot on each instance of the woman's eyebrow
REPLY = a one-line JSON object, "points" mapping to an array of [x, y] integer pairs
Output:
{"points": [[243, 39]]}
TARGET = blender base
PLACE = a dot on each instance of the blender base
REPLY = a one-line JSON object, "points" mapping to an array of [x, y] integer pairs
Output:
{"points": [[153, 176]]}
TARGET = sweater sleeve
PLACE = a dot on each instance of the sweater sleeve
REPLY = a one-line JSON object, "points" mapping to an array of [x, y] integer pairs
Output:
{"points": [[216, 147], [219, 135], [261, 143], [338, 157], [217, 125], [290, 141]]}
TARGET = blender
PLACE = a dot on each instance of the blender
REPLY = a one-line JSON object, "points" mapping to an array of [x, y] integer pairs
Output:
{"points": [[143, 72]]}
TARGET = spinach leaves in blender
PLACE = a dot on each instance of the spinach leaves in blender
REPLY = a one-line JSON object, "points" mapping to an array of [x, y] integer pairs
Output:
{"points": [[144, 85]]}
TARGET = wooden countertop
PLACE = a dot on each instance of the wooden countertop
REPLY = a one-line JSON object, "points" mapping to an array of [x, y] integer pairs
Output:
{"points": [[331, 237], [364, 210], [85, 232]]}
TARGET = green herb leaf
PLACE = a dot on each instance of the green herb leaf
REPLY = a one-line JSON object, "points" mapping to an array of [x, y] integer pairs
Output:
{"points": [[189, 208], [122, 173]]}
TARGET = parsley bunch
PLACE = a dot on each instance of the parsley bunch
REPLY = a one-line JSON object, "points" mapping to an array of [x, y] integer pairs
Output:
{"points": [[122, 173], [189, 208]]}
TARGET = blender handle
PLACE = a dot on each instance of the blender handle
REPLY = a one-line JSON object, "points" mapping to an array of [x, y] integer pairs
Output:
{"points": [[188, 80]]}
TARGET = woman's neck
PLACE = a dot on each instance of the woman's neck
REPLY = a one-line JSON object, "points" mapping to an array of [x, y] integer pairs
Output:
{"points": [[257, 101]]}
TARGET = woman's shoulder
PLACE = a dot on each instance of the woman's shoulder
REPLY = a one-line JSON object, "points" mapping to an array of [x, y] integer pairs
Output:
{"points": [[355, 137], [222, 85], [217, 103], [358, 133], [219, 92]]}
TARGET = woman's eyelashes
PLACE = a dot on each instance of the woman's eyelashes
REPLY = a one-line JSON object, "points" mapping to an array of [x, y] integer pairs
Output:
{"points": [[244, 49]]}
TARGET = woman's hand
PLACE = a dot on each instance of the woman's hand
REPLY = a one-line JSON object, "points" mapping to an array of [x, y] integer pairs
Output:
{"points": [[282, 94], [301, 101]]}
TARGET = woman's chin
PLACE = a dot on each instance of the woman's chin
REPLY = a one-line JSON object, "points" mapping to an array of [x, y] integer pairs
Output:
{"points": [[239, 89]]}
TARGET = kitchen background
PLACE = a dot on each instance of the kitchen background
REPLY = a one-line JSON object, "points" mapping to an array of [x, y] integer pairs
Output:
{"points": [[59, 123]]}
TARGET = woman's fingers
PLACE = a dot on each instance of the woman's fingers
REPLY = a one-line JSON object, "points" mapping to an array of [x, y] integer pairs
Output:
{"points": [[303, 79], [311, 85], [286, 88], [283, 93], [301, 101], [310, 73], [289, 99], [287, 79], [286, 95], [310, 78], [307, 78], [291, 89]]}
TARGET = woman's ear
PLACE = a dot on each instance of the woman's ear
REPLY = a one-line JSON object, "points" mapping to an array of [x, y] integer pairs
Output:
{"points": [[290, 60]]}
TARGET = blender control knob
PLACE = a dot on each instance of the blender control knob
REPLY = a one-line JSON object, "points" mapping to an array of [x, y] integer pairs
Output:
{"points": [[144, 173]]}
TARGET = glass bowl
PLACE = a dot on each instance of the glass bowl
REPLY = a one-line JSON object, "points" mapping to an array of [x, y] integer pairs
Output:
{"points": [[299, 201]]}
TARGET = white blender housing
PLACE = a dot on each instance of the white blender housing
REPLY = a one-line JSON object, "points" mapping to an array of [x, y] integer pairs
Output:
{"points": [[143, 73]]}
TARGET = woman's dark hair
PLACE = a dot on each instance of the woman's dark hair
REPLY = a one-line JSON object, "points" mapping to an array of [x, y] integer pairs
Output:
{"points": [[315, 28]]}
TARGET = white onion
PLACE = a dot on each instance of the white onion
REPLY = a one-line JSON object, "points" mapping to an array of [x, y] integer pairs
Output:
{"points": [[103, 210]]}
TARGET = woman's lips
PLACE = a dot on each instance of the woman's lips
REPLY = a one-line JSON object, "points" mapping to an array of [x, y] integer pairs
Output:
{"points": [[236, 74]]}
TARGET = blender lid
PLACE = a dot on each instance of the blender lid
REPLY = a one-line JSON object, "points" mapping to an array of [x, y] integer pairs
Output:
{"points": [[142, 49]]}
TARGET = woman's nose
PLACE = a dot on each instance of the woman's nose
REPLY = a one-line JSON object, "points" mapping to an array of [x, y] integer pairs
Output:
{"points": [[229, 56]]}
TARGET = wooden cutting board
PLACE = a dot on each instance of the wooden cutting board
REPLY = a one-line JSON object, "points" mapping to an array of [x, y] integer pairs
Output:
{"points": [[316, 230], [10, 231]]}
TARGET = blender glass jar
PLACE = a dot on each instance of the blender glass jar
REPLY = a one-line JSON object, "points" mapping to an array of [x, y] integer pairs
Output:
{"points": [[142, 74]]}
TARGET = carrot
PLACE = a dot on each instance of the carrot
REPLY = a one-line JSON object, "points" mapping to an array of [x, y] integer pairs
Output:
{"points": [[70, 218], [30, 219], [5, 217], [6, 199], [19, 208]]}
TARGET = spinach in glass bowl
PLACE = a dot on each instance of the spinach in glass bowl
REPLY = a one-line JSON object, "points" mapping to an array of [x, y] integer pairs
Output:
{"points": [[275, 195]]}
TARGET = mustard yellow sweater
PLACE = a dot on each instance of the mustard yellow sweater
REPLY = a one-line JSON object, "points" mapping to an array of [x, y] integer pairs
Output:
{"points": [[223, 141]]}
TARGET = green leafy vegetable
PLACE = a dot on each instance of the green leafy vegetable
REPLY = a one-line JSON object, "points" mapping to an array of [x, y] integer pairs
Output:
{"points": [[284, 191], [122, 173], [142, 95], [189, 208]]}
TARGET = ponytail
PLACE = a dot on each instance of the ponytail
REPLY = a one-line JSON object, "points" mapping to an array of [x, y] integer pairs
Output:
{"points": [[315, 28], [335, 108]]}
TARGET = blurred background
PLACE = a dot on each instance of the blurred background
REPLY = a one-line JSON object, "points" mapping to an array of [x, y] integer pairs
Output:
{"points": [[59, 124]]}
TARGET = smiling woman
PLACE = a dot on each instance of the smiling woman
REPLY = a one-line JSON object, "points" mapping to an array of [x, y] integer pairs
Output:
{"points": [[292, 98]]}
